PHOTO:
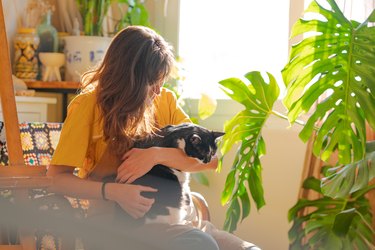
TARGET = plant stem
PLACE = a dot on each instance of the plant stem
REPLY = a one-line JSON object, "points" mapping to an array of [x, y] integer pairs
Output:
{"points": [[278, 114]]}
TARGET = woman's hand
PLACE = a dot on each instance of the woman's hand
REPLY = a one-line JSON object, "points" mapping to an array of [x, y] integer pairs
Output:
{"points": [[136, 163], [129, 197]]}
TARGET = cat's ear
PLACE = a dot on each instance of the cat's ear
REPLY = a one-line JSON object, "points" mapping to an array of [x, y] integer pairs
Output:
{"points": [[217, 134], [195, 139]]}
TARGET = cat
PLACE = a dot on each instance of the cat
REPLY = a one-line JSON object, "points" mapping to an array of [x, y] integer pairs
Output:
{"points": [[173, 196]]}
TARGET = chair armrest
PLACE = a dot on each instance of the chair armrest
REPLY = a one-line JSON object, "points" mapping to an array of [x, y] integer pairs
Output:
{"points": [[22, 170], [24, 177], [201, 208], [25, 182]]}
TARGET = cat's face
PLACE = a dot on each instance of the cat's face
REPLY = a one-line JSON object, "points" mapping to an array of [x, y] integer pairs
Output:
{"points": [[199, 142]]}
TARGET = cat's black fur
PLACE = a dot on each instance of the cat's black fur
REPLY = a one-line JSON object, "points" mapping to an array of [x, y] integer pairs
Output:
{"points": [[198, 143]]}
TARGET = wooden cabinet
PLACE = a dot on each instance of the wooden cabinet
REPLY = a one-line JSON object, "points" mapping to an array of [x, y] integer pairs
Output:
{"points": [[31, 109]]}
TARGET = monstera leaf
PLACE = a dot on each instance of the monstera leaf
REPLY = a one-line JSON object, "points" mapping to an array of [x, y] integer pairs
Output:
{"points": [[330, 223], [333, 63], [350, 178], [245, 127]]}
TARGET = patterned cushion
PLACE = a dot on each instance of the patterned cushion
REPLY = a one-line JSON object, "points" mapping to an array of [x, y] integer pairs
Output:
{"points": [[38, 139], [3, 148]]}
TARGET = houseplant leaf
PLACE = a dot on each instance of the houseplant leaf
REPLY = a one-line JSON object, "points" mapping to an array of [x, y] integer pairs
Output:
{"points": [[200, 178], [344, 180], [330, 223], [245, 128], [93, 14], [206, 106], [333, 65]]}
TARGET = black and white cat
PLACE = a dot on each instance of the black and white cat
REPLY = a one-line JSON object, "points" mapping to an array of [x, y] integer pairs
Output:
{"points": [[173, 196]]}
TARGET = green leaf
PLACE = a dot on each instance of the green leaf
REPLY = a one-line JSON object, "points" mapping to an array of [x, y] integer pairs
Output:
{"points": [[350, 178], [312, 183], [319, 203], [331, 224], [334, 64], [206, 106], [200, 178], [343, 221], [258, 97], [327, 222], [255, 184], [139, 15], [232, 216], [246, 206], [229, 186], [237, 90]]}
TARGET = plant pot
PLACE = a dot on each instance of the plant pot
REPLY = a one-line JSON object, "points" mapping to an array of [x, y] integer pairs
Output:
{"points": [[83, 53]]}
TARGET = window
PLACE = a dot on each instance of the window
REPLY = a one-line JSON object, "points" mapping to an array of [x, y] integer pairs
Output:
{"points": [[220, 39]]}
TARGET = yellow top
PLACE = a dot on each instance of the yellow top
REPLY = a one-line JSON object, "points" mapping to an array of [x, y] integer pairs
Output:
{"points": [[81, 141]]}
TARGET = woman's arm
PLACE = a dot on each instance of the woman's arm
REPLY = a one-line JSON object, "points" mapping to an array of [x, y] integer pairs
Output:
{"points": [[137, 162], [126, 195]]}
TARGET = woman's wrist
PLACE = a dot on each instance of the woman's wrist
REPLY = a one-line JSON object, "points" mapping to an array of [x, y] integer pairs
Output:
{"points": [[109, 191], [163, 156], [156, 154]]}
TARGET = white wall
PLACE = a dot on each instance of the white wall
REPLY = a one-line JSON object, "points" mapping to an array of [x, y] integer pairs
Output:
{"points": [[11, 19], [282, 169]]}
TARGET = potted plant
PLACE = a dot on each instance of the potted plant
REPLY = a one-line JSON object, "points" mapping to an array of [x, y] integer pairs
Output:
{"points": [[135, 14], [332, 64], [83, 52]]}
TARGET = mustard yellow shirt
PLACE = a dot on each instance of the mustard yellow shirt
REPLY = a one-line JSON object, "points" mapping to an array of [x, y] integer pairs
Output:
{"points": [[81, 141]]}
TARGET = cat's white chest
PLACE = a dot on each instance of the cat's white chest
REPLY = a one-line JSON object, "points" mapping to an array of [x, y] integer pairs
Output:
{"points": [[176, 215]]}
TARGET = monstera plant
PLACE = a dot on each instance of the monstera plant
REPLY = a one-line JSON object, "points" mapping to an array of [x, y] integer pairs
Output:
{"points": [[331, 76]]}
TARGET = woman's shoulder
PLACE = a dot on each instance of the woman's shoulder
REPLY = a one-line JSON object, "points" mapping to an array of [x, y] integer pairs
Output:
{"points": [[165, 99], [167, 94], [83, 101], [87, 98]]}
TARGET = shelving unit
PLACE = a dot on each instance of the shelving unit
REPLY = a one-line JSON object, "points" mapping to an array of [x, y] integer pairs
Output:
{"points": [[31, 108], [52, 85], [63, 88]]}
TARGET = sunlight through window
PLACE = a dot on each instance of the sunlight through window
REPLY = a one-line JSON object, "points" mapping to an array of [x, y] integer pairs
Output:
{"points": [[220, 39]]}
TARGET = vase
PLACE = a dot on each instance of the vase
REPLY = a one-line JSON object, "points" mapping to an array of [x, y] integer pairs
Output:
{"points": [[26, 43], [82, 54], [47, 34]]}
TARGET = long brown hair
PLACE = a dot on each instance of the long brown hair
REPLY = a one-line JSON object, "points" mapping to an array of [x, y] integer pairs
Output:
{"points": [[136, 58]]}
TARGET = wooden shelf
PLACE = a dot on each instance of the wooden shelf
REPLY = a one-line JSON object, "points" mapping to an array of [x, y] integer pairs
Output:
{"points": [[63, 88], [52, 85]]}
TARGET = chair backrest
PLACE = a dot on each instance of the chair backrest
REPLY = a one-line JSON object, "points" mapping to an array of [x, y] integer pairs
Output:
{"points": [[38, 140]]}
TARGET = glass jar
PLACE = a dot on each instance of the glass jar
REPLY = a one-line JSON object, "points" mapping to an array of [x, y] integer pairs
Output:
{"points": [[47, 35], [26, 43]]}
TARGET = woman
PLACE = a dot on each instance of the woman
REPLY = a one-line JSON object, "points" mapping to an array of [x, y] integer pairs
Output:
{"points": [[122, 100]]}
